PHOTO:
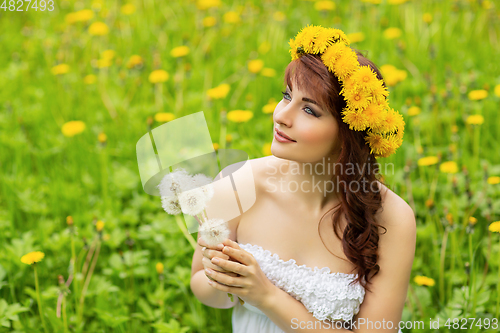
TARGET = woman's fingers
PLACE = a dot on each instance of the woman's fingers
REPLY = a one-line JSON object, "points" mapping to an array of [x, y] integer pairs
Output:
{"points": [[214, 253]]}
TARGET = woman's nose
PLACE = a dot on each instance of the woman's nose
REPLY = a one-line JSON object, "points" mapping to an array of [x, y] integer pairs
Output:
{"points": [[284, 115]]}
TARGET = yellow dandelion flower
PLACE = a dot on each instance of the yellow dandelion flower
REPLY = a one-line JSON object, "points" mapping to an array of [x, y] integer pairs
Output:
{"points": [[366, 77], [69, 220], [413, 111], [392, 143], [324, 39], [103, 63], [206, 4], [179, 51], [108, 54], [424, 281], [356, 120], [219, 92], [428, 161], [429, 203], [427, 17], [493, 180], [392, 121], [392, 33], [128, 9], [396, 2], [472, 220], [134, 60], [98, 29], [476, 95], [268, 72], [102, 137], [340, 36], [255, 66], [377, 143], [449, 167], [158, 76], [346, 64], [372, 113], [99, 225], [266, 149], [239, 116], [357, 98], [229, 138], [79, 16], [209, 21], [159, 268], [270, 106], [279, 16], [163, 117], [215, 145], [494, 226], [356, 37], [60, 69], [72, 128], [475, 119], [324, 5], [497, 90], [306, 38], [32, 257], [231, 17], [332, 53]]}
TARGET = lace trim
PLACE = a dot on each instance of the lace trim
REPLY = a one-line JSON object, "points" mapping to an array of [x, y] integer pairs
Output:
{"points": [[325, 294]]}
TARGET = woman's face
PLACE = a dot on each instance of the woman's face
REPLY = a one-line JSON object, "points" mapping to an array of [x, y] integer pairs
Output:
{"points": [[314, 130]]}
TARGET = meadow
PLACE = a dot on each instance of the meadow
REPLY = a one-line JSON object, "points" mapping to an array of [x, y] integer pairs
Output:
{"points": [[83, 248]]}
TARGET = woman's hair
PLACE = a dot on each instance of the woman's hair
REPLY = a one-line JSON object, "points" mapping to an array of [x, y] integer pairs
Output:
{"points": [[360, 237]]}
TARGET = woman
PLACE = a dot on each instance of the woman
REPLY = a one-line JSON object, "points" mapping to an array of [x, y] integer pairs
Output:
{"points": [[332, 123]]}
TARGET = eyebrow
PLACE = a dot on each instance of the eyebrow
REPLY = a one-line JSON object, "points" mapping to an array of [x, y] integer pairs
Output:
{"points": [[305, 99]]}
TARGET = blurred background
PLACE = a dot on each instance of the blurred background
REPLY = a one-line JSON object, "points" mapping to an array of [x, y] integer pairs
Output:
{"points": [[84, 249]]}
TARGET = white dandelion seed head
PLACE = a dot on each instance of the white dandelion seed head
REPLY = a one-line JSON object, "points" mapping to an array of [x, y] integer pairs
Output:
{"points": [[200, 179], [193, 201], [214, 231], [171, 204], [175, 182], [208, 190]]}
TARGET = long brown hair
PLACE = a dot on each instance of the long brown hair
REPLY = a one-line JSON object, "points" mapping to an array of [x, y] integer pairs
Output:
{"points": [[360, 237]]}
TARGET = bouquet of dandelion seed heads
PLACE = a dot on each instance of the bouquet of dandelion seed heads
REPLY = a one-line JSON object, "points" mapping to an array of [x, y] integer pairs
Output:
{"points": [[181, 191]]}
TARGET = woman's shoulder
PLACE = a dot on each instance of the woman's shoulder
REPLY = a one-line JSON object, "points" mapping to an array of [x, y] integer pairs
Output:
{"points": [[395, 211]]}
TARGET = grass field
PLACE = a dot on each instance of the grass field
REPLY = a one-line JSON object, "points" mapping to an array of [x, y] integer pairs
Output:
{"points": [[82, 81]]}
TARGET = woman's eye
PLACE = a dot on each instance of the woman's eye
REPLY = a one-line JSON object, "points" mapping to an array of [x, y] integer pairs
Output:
{"points": [[312, 113], [285, 94]]}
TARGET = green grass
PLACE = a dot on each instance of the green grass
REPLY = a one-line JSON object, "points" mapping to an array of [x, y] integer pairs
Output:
{"points": [[46, 176]]}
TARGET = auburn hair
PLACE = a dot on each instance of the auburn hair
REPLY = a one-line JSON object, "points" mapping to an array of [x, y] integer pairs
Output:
{"points": [[360, 237]]}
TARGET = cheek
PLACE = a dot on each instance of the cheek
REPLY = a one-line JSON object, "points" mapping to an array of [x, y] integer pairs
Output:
{"points": [[319, 135]]}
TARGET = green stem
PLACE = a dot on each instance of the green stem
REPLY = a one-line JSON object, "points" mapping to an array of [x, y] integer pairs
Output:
{"points": [[184, 230], [65, 319], [441, 266], [39, 299], [473, 277], [498, 286]]}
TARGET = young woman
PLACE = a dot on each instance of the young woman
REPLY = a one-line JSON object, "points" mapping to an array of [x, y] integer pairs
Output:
{"points": [[292, 271]]}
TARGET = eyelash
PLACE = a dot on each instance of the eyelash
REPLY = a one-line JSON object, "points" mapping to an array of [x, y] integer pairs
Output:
{"points": [[312, 114]]}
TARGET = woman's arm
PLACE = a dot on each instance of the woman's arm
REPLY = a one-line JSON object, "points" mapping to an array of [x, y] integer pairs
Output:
{"points": [[208, 295]]}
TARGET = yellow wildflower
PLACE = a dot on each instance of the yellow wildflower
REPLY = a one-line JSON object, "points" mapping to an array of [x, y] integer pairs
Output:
{"points": [[102, 137], [158, 76], [219, 92], [60, 69], [475, 119], [99, 225], [392, 33], [206, 4], [216, 145], [427, 161], [472, 220], [449, 167], [159, 268], [279, 16], [98, 29], [255, 66], [69, 220], [449, 218], [357, 120], [134, 60], [231, 17], [108, 54], [79, 16], [268, 72], [494, 226], [32, 257], [413, 111], [229, 138], [128, 9], [270, 106], [392, 75], [424, 281], [72, 128], [396, 2], [429, 203], [427, 17], [356, 37], [209, 21], [497, 90], [454, 129], [162, 117], [324, 5], [179, 51], [266, 149], [102, 63], [476, 95], [239, 116], [493, 180]]}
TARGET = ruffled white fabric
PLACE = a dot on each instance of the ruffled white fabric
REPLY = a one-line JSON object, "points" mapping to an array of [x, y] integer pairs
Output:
{"points": [[325, 294]]}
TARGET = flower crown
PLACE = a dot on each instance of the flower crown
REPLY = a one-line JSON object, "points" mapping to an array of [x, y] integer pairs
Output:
{"points": [[366, 96]]}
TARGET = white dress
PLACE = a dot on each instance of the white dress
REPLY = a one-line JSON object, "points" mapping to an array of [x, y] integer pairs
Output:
{"points": [[325, 294]]}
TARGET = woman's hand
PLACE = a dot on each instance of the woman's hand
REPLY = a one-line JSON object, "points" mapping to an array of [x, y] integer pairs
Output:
{"points": [[208, 254], [251, 284]]}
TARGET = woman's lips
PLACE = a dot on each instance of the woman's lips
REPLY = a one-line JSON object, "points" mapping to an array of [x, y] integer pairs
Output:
{"points": [[282, 138]]}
